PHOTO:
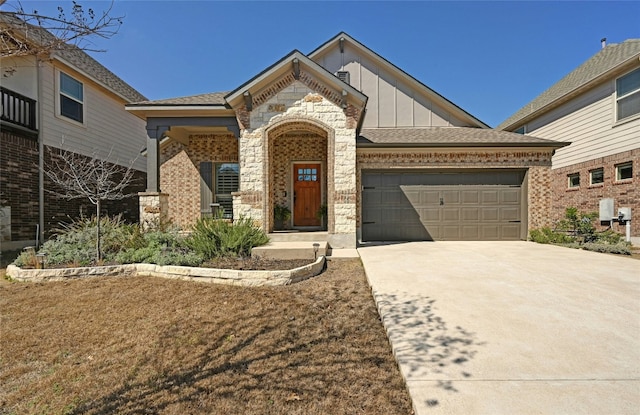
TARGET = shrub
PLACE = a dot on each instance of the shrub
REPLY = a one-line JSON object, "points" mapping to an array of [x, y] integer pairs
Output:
{"points": [[75, 243], [622, 248], [548, 236], [216, 238]]}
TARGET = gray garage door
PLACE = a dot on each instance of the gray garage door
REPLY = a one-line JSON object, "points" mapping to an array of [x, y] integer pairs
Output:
{"points": [[414, 206]]}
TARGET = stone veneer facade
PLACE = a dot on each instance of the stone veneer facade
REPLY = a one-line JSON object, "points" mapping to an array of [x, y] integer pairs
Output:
{"points": [[586, 197], [537, 163], [289, 108]]}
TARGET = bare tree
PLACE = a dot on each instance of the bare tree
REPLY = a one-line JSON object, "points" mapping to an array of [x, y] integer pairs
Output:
{"points": [[94, 178], [27, 32]]}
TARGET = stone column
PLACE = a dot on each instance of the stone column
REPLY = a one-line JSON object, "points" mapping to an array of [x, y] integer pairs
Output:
{"points": [[154, 209]]}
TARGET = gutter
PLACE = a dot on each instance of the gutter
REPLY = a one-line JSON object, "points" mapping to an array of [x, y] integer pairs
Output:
{"points": [[40, 153]]}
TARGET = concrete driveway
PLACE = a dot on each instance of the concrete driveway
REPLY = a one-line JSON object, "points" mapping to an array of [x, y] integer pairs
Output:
{"points": [[510, 327]]}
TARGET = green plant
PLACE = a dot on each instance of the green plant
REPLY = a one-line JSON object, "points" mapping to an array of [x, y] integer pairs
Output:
{"points": [[622, 248], [321, 212], [578, 224], [546, 235], [281, 213], [215, 238]]}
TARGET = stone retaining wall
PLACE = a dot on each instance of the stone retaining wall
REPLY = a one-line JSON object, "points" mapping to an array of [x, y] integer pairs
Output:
{"points": [[211, 275]]}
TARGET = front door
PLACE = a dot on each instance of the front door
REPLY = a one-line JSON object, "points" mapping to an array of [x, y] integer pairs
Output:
{"points": [[306, 194]]}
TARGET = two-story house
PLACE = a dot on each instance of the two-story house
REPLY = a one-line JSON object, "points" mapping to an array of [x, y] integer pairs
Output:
{"points": [[67, 100], [597, 108]]}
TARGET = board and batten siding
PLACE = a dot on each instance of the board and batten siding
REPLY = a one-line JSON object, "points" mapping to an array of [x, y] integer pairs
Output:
{"points": [[392, 101], [588, 122], [108, 128]]}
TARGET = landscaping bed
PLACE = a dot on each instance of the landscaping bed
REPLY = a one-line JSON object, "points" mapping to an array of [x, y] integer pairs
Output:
{"points": [[150, 345]]}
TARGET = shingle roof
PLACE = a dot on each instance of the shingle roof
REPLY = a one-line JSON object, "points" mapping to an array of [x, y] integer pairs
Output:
{"points": [[80, 59], [599, 64], [213, 98], [448, 137]]}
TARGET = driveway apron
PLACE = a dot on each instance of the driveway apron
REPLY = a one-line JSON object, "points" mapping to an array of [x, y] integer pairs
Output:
{"points": [[510, 327]]}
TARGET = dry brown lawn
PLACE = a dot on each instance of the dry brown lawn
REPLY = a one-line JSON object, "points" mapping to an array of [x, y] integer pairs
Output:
{"points": [[155, 346]]}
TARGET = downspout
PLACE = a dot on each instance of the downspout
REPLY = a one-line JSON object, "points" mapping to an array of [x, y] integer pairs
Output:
{"points": [[40, 153]]}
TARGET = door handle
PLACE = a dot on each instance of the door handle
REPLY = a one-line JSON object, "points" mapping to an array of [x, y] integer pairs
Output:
{"points": [[441, 202]]}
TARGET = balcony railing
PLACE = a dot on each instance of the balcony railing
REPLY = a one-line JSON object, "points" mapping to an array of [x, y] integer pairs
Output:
{"points": [[18, 109]]}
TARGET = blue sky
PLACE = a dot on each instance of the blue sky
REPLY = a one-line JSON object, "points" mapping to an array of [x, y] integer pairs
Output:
{"points": [[490, 58]]}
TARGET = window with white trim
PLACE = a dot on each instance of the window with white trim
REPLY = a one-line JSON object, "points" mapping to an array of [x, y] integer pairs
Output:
{"points": [[596, 176], [624, 171], [71, 98], [628, 95], [573, 180]]}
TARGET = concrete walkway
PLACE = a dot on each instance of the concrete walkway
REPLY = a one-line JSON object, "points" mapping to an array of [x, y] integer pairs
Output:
{"points": [[510, 327]]}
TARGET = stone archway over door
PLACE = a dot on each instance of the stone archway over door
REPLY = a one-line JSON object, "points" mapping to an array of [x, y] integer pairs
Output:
{"points": [[292, 146]]}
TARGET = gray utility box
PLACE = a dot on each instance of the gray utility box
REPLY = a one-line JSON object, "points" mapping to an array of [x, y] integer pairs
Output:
{"points": [[606, 210], [624, 213]]}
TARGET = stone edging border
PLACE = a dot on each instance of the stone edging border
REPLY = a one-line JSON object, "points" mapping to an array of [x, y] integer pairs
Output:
{"points": [[211, 275]]}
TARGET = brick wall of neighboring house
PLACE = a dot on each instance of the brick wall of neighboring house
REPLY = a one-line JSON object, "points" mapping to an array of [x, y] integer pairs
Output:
{"points": [[536, 162], [180, 172], [58, 210], [586, 197], [19, 182]]}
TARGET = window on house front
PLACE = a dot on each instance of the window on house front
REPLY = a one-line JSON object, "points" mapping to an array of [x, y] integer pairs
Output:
{"points": [[628, 95], [520, 130], [624, 171], [574, 180], [217, 182], [596, 176], [71, 98]]}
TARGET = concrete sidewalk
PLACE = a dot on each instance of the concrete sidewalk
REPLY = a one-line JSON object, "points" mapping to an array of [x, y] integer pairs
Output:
{"points": [[510, 327]]}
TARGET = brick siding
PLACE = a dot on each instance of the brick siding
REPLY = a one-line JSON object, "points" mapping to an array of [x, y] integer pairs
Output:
{"points": [[180, 172], [19, 182], [587, 197]]}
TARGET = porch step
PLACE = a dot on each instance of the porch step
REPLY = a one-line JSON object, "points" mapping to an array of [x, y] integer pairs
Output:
{"points": [[293, 236], [290, 250]]}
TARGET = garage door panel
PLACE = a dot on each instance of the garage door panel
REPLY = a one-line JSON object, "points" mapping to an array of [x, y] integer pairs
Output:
{"points": [[450, 206], [510, 231], [450, 197], [429, 197], [510, 213], [470, 233], [470, 214], [470, 197], [490, 214], [510, 196], [490, 197]]}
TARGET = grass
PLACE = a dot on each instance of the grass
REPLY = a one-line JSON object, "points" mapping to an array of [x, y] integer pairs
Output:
{"points": [[156, 346]]}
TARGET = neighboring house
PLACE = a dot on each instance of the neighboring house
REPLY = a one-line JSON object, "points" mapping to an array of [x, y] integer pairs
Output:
{"points": [[342, 127], [597, 108], [65, 96]]}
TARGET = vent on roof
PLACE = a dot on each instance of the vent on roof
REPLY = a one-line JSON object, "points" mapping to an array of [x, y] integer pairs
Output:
{"points": [[343, 76]]}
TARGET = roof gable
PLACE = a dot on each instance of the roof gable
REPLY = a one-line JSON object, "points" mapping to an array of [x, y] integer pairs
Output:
{"points": [[343, 41], [295, 64], [606, 64]]}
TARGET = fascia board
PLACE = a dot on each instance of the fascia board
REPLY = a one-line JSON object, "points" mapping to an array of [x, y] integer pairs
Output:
{"points": [[145, 111]]}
